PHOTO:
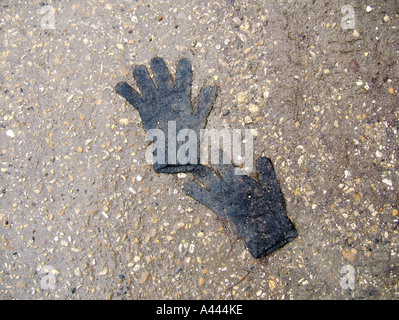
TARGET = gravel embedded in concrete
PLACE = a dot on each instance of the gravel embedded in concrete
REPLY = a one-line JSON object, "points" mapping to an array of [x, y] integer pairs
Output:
{"points": [[84, 216]]}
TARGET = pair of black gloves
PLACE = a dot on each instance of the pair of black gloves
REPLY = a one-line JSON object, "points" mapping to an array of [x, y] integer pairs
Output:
{"points": [[256, 208]]}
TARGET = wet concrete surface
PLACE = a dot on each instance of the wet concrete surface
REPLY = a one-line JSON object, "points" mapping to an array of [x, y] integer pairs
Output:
{"points": [[84, 216]]}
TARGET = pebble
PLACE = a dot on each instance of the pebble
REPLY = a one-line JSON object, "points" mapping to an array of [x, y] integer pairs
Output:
{"points": [[245, 26], [349, 254], [123, 71], [272, 285], [105, 215], [10, 133], [124, 121], [39, 189], [241, 97], [388, 182], [248, 120], [253, 108], [236, 21], [144, 277], [103, 272], [21, 284]]}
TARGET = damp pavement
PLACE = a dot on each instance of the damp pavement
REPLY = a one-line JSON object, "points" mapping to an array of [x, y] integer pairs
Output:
{"points": [[84, 216]]}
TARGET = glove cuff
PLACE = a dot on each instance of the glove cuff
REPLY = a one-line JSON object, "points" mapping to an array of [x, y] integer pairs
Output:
{"points": [[174, 168], [176, 163]]}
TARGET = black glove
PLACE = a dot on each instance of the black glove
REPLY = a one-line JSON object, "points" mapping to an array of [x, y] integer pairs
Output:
{"points": [[257, 209], [165, 101]]}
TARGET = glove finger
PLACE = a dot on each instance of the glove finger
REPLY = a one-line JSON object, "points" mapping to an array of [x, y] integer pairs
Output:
{"points": [[225, 167], [145, 83], [131, 95], [161, 75], [266, 173], [204, 103], [202, 195], [206, 177], [184, 75]]}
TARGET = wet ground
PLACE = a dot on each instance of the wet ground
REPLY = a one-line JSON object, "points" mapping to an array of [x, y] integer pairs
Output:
{"points": [[84, 216]]}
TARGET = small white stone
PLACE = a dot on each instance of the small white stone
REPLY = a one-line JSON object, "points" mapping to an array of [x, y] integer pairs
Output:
{"points": [[369, 9], [103, 272], [124, 121], [248, 120], [388, 182], [10, 133], [106, 216]]}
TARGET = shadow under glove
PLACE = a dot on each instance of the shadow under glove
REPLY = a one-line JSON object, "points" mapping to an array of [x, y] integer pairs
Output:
{"points": [[167, 106], [257, 209]]}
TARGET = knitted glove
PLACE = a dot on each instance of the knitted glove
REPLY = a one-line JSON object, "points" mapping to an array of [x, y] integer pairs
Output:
{"points": [[164, 104], [256, 208]]}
